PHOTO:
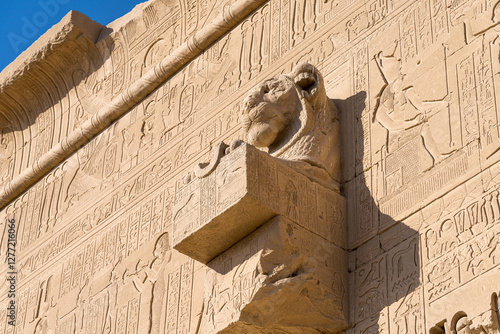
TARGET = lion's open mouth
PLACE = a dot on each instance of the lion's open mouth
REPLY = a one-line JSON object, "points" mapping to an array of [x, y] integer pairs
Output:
{"points": [[307, 81]]}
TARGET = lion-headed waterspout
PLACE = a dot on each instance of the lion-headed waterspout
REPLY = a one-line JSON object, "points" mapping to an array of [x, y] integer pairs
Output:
{"points": [[292, 117]]}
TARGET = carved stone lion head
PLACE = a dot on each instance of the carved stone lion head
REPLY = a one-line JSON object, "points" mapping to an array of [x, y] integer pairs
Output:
{"points": [[291, 116]]}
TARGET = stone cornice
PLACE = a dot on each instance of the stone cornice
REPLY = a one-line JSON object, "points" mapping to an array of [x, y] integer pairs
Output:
{"points": [[71, 27], [130, 97]]}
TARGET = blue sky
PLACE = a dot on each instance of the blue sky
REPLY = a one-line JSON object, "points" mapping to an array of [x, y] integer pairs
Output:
{"points": [[23, 21]]}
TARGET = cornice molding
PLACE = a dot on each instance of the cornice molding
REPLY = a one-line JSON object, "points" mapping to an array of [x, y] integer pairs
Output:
{"points": [[130, 97]]}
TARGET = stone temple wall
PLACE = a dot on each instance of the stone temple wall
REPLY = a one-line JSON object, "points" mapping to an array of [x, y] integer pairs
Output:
{"points": [[376, 209]]}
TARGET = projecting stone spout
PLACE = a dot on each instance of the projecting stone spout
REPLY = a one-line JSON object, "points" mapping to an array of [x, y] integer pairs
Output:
{"points": [[267, 218], [291, 117]]}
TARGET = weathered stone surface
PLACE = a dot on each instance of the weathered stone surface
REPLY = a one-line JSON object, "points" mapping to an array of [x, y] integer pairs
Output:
{"points": [[100, 125], [291, 116], [109, 111], [59, 39], [248, 188], [281, 278]]}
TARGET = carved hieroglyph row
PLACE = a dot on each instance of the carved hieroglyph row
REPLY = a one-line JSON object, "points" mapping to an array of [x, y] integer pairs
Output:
{"points": [[398, 186], [129, 97], [247, 189], [386, 291], [456, 256], [115, 64]]}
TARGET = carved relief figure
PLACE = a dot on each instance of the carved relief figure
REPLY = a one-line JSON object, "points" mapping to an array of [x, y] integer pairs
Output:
{"points": [[153, 286], [291, 116], [470, 34], [401, 108], [487, 322], [46, 303]]}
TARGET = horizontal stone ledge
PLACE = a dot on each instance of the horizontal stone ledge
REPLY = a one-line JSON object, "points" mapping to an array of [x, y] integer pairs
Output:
{"points": [[73, 26], [248, 188], [130, 97]]}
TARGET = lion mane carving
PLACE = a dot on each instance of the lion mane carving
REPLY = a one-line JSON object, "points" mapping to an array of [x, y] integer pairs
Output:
{"points": [[291, 117]]}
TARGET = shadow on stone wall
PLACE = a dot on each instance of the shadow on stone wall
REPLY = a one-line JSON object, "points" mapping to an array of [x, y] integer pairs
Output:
{"points": [[384, 259]]}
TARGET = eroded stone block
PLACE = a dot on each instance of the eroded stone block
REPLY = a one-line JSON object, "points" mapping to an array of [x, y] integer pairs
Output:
{"points": [[281, 278], [248, 188]]}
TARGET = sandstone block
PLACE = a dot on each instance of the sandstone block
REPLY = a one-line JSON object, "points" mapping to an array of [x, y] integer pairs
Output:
{"points": [[248, 188], [281, 278]]}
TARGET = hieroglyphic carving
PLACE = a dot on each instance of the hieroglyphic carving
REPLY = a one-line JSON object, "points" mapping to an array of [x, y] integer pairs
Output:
{"points": [[486, 99], [231, 191], [237, 280], [94, 319], [468, 106], [22, 307], [407, 314], [487, 322], [55, 159], [362, 144], [99, 213], [439, 20], [393, 102], [394, 205], [179, 293], [427, 16], [403, 282], [462, 246], [371, 292], [408, 37], [103, 248], [364, 209], [152, 287], [173, 297]]}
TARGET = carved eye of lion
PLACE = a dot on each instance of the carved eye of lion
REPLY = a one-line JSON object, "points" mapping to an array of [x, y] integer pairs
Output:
{"points": [[272, 88]]}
